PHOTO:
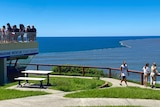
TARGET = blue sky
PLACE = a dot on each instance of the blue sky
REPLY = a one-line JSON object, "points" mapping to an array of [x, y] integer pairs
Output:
{"points": [[84, 17]]}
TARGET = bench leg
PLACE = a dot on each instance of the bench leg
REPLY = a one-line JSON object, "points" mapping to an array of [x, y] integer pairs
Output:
{"points": [[48, 83], [41, 84], [19, 83]]}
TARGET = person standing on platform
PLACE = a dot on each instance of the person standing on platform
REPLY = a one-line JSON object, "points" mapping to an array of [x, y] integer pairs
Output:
{"points": [[0, 36], [9, 32], [28, 33], [33, 33], [22, 31], [3, 30], [16, 33], [124, 72]]}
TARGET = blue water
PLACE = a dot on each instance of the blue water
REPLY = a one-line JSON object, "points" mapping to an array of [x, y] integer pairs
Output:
{"points": [[65, 44], [99, 51]]}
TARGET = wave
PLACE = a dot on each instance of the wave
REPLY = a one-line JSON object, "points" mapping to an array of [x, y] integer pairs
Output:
{"points": [[125, 45]]}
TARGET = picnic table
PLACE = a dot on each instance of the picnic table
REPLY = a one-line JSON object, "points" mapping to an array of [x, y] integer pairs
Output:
{"points": [[41, 72]]}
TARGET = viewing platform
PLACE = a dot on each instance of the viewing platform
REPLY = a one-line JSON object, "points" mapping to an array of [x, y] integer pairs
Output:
{"points": [[13, 53]]}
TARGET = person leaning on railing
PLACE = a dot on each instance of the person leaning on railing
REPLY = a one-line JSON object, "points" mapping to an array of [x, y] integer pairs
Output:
{"points": [[22, 31], [28, 33], [3, 30], [16, 33], [153, 74], [9, 32], [146, 71], [33, 33]]}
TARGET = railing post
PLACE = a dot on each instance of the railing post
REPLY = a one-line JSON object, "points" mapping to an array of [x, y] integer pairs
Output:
{"points": [[109, 73], [141, 78], [37, 67], [83, 71]]}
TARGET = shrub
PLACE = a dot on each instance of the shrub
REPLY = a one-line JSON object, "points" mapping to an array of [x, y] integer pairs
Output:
{"points": [[77, 71]]}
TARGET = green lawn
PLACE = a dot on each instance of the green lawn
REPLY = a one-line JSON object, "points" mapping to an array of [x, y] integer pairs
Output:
{"points": [[118, 92], [74, 84], [59, 83], [67, 84], [11, 94], [89, 89]]}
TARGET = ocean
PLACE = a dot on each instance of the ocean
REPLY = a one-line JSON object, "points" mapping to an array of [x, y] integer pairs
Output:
{"points": [[99, 51]]}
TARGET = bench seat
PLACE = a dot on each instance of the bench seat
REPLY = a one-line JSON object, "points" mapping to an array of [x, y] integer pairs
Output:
{"points": [[19, 79]]}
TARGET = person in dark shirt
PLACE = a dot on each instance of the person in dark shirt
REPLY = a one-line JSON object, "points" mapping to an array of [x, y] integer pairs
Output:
{"points": [[28, 33], [9, 32], [33, 33], [16, 33], [21, 31]]}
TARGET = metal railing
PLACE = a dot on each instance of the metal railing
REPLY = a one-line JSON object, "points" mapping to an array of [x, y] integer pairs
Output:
{"points": [[140, 73], [18, 37]]}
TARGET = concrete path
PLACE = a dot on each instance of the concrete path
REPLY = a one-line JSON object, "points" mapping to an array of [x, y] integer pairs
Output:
{"points": [[57, 100]]}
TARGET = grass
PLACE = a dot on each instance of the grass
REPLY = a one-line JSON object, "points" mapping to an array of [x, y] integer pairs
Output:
{"points": [[74, 84], [118, 92], [59, 83], [67, 84], [89, 89], [12, 94]]}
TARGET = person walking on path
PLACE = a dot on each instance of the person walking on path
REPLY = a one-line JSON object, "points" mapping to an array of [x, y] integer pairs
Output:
{"points": [[153, 74], [124, 72], [146, 71]]}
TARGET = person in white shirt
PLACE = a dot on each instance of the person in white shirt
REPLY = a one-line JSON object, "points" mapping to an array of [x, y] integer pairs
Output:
{"points": [[124, 72], [146, 72]]}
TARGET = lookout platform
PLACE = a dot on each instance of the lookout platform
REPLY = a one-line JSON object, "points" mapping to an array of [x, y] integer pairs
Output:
{"points": [[11, 54]]}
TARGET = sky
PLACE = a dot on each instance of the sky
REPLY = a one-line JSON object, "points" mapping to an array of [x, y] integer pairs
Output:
{"points": [[84, 17]]}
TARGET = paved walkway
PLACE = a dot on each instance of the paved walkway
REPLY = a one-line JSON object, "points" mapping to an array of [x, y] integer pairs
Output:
{"points": [[57, 100]]}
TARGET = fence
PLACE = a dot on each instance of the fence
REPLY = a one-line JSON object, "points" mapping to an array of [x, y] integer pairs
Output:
{"points": [[18, 37], [109, 74]]}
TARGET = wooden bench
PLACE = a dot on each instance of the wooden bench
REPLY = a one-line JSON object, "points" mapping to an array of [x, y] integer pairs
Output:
{"points": [[19, 79]]}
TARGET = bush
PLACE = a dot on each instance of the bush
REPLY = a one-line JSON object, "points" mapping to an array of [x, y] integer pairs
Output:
{"points": [[77, 71]]}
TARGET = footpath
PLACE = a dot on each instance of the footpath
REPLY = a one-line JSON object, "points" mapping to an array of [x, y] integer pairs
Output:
{"points": [[56, 99]]}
